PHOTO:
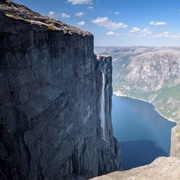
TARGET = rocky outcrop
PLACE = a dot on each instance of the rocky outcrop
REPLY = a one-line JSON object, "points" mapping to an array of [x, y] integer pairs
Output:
{"points": [[150, 74], [105, 67], [51, 88], [162, 168], [175, 141]]}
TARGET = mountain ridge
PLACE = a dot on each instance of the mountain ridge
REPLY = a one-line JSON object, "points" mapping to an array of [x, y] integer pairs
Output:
{"points": [[51, 88], [147, 73], [150, 74]]}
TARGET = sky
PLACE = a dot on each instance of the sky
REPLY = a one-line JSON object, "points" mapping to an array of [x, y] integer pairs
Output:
{"points": [[117, 22]]}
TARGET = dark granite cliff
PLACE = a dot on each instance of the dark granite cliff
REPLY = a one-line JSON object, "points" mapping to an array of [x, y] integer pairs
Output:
{"points": [[51, 90]]}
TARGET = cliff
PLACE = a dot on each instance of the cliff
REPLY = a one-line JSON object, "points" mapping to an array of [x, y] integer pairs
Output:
{"points": [[52, 87], [150, 74], [162, 168]]}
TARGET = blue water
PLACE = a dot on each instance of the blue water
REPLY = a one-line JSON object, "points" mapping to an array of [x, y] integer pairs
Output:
{"points": [[143, 134]]}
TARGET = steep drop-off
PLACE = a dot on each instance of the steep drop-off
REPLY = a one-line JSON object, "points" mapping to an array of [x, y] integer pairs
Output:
{"points": [[51, 87], [150, 74], [162, 168]]}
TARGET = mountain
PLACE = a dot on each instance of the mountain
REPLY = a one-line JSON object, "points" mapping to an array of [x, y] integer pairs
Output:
{"points": [[151, 74], [148, 73], [52, 84]]}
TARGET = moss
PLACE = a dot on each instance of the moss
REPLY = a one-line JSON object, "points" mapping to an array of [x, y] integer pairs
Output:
{"points": [[51, 27], [10, 15], [177, 131]]}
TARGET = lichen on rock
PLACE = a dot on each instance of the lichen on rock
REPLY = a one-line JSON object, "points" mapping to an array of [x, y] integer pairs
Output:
{"points": [[50, 90]]}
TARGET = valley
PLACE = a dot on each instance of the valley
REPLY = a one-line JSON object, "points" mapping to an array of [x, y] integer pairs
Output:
{"points": [[148, 73]]}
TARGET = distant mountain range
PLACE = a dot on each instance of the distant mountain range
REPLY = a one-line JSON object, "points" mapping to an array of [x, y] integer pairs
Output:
{"points": [[148, 73]]}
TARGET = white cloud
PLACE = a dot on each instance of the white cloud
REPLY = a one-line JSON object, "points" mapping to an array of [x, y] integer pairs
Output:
{"points": [[135, 29], [162, 35], [105, 22], [146, 31], [152, 23], [63, 15], [112, 33], [51, 13], [117, 13], [75, 2], [79, 14], [166, 34], [137, 32], [90, 7], [175, 36], [81, 23]]}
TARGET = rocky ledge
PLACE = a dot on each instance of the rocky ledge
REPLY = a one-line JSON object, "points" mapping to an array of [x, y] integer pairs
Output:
{"points": [[162, 168], [20, 12]]}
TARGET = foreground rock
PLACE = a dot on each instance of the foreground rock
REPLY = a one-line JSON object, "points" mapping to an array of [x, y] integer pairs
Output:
{"points": [[50, 93], [162, 168]]}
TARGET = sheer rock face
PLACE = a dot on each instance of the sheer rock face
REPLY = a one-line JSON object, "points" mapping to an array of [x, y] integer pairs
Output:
{"points": [[175, 141], [50, 92], [5, 1], [162, 168], [150, 74]]}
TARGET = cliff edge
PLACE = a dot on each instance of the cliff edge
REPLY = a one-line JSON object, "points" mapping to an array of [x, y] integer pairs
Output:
{"points": [[150, 74], [51, 105], [165, 168]]}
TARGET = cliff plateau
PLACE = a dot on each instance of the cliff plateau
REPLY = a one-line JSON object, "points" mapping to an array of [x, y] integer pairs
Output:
{"points": [[166, 168], [51, 93]]}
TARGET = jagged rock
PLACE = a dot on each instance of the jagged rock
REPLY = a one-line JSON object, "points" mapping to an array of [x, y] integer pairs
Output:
{"points": [[175, 141], [162, 168], [148, 73], [151, 74], [50, 93], [5, 1]]}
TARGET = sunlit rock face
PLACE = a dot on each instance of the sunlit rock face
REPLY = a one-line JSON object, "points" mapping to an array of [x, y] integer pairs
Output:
{"points": [[175, 141], [51, 87], [162, 168]]}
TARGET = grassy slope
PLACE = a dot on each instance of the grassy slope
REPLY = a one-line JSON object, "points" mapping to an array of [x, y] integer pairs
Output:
{"points": [[165, 100]]}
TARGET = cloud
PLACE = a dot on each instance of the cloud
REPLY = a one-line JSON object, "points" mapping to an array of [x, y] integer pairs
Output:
{"points": [[81, 23], [162, 35], [152, 23], [90, 7], [135, 29], [139, 32], [175, 36], [117, 13], [51, 13], [105, 22], [63, 15], [166, 34], [75, 2], [146, 31], [112, 33], [79, 14]]}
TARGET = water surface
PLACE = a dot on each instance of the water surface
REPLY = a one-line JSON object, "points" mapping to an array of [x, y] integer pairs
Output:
{"points": [[143, 134]]}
